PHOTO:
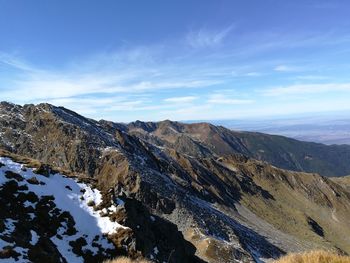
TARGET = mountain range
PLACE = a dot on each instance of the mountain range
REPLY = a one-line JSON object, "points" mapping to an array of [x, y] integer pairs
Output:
{"points": [[172, 192], [331, 128]]}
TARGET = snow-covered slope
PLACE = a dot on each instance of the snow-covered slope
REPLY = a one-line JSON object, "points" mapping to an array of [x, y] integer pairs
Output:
{"points": [[53, 215]]}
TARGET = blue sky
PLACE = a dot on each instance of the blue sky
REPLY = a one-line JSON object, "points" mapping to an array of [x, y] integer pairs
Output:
{"points": [[180, 60]]}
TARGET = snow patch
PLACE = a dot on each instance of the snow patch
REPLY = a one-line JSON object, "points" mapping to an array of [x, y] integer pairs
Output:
{"points": [[9, 226], [155, 250], [69, 196], [34, 238]]}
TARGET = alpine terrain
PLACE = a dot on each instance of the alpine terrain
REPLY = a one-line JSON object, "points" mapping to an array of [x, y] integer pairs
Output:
{"points": [[73, 189]]}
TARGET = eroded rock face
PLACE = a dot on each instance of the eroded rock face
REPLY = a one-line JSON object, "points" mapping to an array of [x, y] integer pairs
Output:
{"points": [[182, 191], [52, 135]]}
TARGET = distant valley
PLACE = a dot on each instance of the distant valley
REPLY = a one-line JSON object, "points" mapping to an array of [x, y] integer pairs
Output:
{"points": [[323, 129]]}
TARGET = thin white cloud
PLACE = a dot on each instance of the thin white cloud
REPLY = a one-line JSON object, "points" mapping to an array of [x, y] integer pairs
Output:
{"points": [[15, 62], [259, 42], [35, 84], [311, 77], [253, 74], [222, 99], [151, 70], [208, 38], [300, 89], [284, 68], [192, 112], [112, 104], [185, 99], [100, 104]]}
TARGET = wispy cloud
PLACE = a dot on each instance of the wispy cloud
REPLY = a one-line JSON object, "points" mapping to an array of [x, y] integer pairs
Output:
{"points": [[223, 99], [171, 80], [94, 105], [14, 61], [285, 68], [253, 74], [191, 112], [311, 77], [307, 89], [208, 38], [185, 99], [35, 84]]}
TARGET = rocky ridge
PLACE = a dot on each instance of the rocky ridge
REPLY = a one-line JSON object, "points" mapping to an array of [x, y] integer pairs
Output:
{"points": [[227, 206]]}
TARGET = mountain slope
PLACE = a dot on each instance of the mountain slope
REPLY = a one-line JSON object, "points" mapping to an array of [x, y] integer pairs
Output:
{"points": [[227, 206], [63, 218], [203, 139], [53, 220]]}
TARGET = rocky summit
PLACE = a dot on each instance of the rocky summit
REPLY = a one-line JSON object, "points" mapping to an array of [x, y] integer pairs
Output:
{"points": [[73, 189]]}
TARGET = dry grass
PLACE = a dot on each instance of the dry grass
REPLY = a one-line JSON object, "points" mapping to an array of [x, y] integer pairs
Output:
{"points": [[33, 163], [126, 260], [314, 257]]}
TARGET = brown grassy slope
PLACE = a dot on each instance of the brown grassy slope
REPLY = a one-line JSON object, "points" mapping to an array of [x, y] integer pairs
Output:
{"points": [[314, 257], [343, 181], [299, 198], [38, 165]]}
